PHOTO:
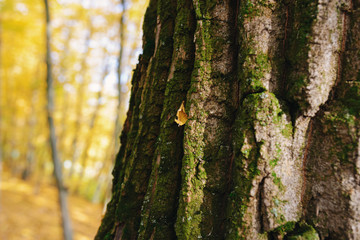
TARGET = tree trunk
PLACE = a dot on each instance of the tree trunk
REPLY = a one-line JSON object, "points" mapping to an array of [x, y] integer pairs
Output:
{"points": [[65, 217], [271, 146]]}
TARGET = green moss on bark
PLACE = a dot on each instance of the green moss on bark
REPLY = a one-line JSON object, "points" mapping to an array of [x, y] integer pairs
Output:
{"points": [[352, 99], [255, 162], [203, 180], [302, 231], [159, 206], [303, 15], [338, 119], [133, 165], [255, 66]]}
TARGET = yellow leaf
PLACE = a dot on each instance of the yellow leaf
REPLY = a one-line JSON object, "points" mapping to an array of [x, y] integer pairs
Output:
{"points": [[181, 115]]}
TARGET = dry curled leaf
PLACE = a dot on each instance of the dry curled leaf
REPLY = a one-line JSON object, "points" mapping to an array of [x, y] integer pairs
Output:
{"points": [[181, 115]]}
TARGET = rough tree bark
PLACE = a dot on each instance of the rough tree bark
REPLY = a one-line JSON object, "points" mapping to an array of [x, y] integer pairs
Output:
{"points": [[271, 147]]}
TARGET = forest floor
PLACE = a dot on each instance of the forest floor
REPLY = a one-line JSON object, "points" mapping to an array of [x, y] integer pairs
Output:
{"points": [[28, 216]]}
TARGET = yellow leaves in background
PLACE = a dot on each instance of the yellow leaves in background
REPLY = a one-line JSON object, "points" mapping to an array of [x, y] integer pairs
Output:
{"points": [[181, 115]]}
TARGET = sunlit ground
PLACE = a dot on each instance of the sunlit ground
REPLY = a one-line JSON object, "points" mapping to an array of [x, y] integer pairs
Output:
{"points": [[26, 215]]}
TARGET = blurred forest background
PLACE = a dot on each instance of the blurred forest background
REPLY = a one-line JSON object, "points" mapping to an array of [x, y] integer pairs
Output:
{"points": [[94, 47]]}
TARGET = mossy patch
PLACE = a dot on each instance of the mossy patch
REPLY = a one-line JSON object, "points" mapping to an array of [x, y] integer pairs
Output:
{"points": [[250, 9], [285, 228], [341, 120], [352, 100], [254, 67], [259, 110], [302, 231], [303, 15]]}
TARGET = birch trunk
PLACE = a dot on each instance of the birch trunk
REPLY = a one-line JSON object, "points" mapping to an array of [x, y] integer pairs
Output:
{"points": [[65, 217]]}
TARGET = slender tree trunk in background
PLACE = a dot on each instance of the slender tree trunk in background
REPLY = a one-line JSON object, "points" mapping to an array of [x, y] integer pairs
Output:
{"points": [[271, 147], [119, 73], [65, 217]]}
